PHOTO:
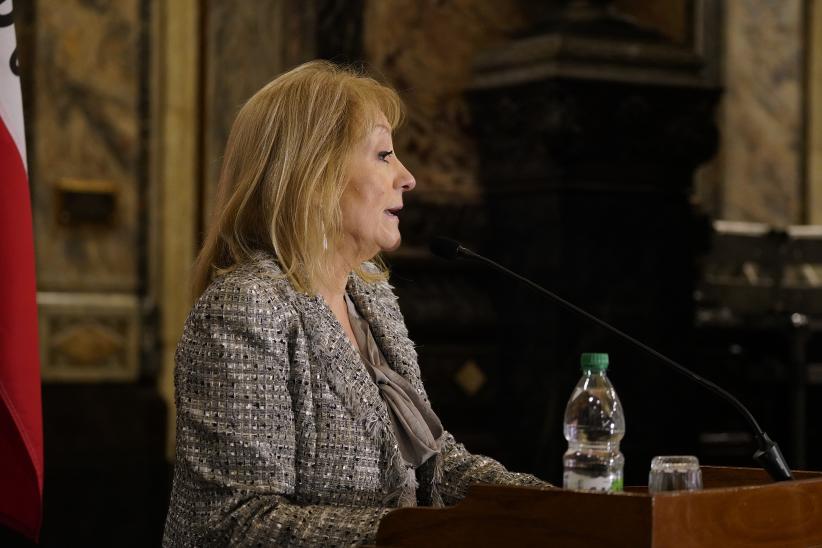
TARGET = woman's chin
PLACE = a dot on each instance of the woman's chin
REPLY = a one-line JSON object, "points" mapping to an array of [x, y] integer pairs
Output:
{"points": [[391, 245]]}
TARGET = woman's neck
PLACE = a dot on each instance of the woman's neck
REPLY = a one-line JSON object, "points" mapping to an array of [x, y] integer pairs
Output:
{"points": [[332, 291], [332, 287], [343, 259]]}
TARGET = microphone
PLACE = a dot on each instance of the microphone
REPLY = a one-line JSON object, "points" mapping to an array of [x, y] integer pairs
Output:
{"points": [[768, 454]]}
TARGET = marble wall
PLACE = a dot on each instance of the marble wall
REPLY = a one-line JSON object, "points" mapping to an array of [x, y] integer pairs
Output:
{"points": [[426, 49], [761, 121], [242, 53], [85, 78], [85, 134], [813, 164], [86, 73], [246, 45]]}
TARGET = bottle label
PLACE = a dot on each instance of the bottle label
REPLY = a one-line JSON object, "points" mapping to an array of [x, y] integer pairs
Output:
{"points": [[611, 483]]}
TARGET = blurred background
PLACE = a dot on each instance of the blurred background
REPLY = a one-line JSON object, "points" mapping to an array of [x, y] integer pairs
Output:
{"points": [[658, 162]]}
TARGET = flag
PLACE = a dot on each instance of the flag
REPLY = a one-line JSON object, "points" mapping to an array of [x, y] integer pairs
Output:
{"points": [[21, 422]]}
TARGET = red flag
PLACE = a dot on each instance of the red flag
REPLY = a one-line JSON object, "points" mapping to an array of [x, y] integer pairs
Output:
{"points": [[21, 423]]}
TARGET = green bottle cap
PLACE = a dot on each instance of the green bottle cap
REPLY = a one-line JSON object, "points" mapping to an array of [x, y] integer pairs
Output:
{"points": [[594, 362]]}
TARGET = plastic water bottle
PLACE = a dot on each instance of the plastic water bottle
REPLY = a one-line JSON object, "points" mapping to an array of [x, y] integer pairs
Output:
{"points": [[594, 426]]}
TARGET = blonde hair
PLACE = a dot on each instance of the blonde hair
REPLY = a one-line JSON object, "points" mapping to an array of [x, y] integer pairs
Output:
{"points": [[285, 169]]}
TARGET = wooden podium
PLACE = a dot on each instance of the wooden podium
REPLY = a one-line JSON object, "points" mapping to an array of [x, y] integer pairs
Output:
{"points": [[737, 507]]}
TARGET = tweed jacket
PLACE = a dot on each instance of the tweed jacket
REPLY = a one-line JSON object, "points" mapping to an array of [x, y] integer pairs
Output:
{"points": [[282, 436]]}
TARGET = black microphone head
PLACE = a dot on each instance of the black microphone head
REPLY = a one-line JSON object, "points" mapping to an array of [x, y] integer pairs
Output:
{"points": [[445, 247]]}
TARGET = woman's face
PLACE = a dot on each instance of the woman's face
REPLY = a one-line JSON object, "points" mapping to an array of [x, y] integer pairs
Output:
{"points": [[372, 201]]}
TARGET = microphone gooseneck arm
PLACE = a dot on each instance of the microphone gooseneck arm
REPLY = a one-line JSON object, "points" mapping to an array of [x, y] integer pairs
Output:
{"points": [[768, 454]]}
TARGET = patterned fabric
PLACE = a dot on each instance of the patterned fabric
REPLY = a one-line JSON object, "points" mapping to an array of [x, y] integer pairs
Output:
{"points": [[282, 436], [416, 426]]}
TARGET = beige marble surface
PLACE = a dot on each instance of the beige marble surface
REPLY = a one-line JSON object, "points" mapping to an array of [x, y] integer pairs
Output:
{"points": [[814, 133], [761, 117], [85, 126]]}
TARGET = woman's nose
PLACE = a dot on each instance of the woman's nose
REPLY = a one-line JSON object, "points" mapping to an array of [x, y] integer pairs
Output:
{"points": [[407, 181]]}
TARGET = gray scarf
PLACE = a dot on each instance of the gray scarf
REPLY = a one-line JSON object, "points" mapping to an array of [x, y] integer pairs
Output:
{"points": [[417, 428]]}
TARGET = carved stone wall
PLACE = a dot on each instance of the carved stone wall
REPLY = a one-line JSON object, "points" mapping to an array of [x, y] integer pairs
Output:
{"points": [[426, 51]]}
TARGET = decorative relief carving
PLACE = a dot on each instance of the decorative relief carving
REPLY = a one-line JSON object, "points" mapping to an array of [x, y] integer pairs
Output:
{"points": [[470, 377], [88, 337], [87, 344]]}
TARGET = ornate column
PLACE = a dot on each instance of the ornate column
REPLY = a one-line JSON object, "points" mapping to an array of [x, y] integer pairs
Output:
{"points": [[590, 128]]}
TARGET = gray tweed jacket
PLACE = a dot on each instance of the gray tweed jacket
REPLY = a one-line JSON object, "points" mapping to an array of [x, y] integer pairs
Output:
{"points": [[282, 436]]}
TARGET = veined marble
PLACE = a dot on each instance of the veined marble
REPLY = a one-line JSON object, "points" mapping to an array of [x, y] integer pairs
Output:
{"points": [[86, 124], [762, 112]]}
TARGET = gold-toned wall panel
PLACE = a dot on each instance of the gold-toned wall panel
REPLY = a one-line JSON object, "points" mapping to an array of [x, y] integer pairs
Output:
{"points": [[175, 167], [88, 337], [86, 130]]}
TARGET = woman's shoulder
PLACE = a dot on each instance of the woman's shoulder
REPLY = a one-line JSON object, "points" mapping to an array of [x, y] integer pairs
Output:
{"points": [[256, 282], [245, 310]]}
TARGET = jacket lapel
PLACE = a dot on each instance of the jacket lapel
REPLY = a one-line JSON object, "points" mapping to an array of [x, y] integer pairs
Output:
{"points": [[340, 362], [348, 378], [345, 372], [378, 305], [388, 328]]}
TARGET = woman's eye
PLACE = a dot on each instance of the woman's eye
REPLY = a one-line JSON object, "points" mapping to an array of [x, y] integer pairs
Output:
{"points": [[385, 154]]}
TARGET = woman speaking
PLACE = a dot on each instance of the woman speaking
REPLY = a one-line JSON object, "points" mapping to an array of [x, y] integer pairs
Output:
{"points": [[301, 415]]}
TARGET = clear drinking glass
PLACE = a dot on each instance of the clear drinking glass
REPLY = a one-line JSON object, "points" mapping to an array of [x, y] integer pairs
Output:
{"points": [[674, 473]]}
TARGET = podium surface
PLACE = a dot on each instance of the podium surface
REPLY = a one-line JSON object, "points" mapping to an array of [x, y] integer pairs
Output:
{"points": [[737, 507]]}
